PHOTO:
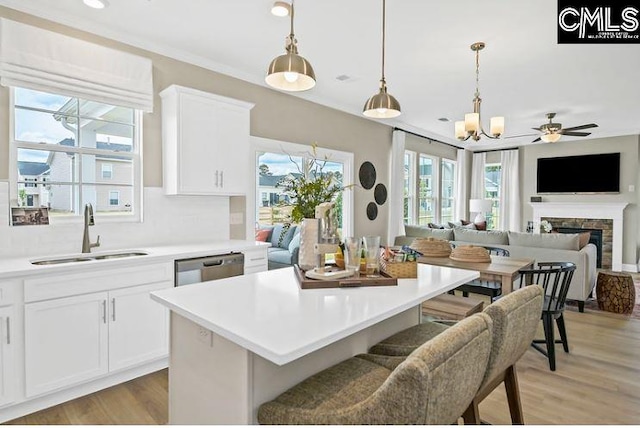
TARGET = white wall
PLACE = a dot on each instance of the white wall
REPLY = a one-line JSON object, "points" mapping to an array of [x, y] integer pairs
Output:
{"points": [[167, 220]]}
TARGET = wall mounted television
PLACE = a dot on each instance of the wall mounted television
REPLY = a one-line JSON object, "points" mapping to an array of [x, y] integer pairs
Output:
{"points": [[598, 173]]}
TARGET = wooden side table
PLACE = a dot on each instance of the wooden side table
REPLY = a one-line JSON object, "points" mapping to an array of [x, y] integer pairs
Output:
{"points": [[615, 292]]}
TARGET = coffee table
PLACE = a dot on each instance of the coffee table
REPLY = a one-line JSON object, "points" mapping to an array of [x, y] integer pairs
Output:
{"points": [[503, 268]]}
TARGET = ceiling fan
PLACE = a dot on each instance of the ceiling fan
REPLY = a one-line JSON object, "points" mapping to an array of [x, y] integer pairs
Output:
{"points": [[551, 132]]}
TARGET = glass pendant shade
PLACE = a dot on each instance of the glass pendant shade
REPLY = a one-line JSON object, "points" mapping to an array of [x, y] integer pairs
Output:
{"points": [[550, 138], [496, 126], [291, 72], [382, 106], [471, 122], [461, 134]]}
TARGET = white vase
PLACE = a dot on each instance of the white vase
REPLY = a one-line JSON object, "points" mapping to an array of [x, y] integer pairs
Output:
{"points": [[307, 257]]}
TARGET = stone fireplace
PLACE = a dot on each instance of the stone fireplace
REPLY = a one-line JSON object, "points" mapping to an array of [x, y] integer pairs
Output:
{"points": [[601, 234], [605, 217]]}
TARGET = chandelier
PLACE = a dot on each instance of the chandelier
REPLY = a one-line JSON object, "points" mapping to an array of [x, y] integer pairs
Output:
{"points": [[471, 127]]}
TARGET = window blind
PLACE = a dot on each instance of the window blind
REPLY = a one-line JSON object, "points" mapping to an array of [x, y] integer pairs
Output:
{"points": [[43, 60]]}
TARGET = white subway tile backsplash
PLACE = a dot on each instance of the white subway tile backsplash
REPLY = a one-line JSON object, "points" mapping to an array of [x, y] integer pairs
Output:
{"points": [[167, 220]]}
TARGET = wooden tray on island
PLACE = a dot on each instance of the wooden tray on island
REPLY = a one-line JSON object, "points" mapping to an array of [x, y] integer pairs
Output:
{"points": [[355, 281]]}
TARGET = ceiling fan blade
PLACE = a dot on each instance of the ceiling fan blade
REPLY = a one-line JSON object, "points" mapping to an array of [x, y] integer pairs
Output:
{"points": [[575, 134], [537, 129], [536, 140], [521, 135], [576, 128]]}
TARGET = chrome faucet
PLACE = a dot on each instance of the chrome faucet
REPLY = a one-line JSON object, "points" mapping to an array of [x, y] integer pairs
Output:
{"points": [[87, 245]]}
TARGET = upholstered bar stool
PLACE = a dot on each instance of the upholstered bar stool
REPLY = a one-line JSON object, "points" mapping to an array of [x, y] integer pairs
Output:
{"points": [[433, 385], [515, 318]]}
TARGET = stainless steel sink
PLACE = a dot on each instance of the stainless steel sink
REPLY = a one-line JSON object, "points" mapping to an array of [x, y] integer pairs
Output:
{"points": [[88, 257], [59, 261], [120, 255]]}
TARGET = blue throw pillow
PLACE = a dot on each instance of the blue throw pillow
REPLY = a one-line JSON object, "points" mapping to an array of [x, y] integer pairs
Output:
{"points": [[275, 235]]}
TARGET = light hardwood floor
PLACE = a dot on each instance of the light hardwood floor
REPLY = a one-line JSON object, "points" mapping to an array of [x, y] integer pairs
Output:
{"points": [[598, 382]]}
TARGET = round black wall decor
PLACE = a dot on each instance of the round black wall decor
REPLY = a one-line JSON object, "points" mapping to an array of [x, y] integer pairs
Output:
{"points": [[367, 175], [380, 194], [372, 211]]}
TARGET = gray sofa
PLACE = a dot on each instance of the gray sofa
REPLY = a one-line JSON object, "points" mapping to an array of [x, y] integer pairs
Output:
{"points": [[544, 247], [283, 252]]}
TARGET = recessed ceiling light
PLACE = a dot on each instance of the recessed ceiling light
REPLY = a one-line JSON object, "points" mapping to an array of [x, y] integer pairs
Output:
{"points": [[281, 8], [343, 77], [443, 119], [96, 4]]}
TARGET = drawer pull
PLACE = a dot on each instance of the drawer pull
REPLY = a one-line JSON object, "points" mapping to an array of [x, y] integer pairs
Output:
{"points": [[104, 311], [257, 259], [8, 331], [113, 309]]}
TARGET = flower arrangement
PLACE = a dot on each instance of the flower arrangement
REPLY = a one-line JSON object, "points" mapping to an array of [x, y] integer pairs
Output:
{"points": [[311, 187], [545, 226]]}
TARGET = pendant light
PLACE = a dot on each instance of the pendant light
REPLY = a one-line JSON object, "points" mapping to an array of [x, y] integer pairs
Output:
{"points": [[291, 72], [382, 105]]}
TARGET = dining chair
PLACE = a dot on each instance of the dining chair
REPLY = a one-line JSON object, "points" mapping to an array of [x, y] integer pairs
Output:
{"points": [[432, 386], [486, 287], [555, 278]]}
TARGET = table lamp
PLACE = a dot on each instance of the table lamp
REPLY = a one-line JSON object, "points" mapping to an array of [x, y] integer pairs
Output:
{"points": [[479, 206]]}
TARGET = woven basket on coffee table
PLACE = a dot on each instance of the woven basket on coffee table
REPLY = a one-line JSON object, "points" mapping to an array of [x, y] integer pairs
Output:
{"points": [[431, 247], [471, 254]]}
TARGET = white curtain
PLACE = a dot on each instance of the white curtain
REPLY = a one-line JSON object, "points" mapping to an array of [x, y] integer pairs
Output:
{"points": [[43, 60], [461, 186], [477, 176], [510, 191], [396, 187]]}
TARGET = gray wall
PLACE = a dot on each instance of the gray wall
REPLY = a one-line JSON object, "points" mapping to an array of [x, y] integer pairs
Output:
{"points": [[628, 146], [276, 115]]}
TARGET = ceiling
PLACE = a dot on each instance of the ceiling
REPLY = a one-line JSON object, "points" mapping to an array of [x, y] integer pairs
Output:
{"points": [[430, 68]]}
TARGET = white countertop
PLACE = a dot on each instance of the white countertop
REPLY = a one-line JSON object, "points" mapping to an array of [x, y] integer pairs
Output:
{"points": [[21, 266], [269, 314]]}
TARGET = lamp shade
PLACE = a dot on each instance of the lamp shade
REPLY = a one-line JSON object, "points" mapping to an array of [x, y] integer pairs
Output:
{"points": [[550, 138], [461, 134], [382, 106], [496, 126], [291, 72], [479, 206]]}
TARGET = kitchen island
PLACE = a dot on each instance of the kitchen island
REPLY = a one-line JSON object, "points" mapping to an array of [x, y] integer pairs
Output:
{"points": [[239, 342]]}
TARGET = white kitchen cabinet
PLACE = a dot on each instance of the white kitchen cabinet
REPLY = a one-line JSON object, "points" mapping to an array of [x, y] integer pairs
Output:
{"points": [[205, 143], [255, 261], [66, 342], [138, 327], [8, 375], [74, 339]]}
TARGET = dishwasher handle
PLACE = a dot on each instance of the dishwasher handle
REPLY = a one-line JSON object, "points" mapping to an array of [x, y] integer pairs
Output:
{"points": [[211, 263]]}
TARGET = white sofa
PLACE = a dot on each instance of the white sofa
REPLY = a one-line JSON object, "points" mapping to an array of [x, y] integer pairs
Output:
{"points": [[547, 247]]}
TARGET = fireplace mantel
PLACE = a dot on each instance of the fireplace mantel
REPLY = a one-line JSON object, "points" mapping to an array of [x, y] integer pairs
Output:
{"points": [[604, 210]]}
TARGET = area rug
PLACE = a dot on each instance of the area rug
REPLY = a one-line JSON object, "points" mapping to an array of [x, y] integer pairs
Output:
{"points": [[592, 304]]}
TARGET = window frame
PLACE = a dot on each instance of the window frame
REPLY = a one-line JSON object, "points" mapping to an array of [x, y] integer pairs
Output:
{"points": [[495, 202], [104, 169], [259, 144], [117, 193], [135, 215], [436, 177]]}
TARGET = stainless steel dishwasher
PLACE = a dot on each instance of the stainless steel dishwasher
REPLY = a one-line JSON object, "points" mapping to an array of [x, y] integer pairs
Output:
{"points": [[198, 269]]}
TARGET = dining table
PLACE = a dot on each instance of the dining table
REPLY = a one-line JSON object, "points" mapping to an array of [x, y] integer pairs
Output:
{"points": [[500, 268]]}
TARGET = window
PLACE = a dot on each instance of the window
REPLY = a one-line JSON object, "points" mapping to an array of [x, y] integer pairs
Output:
{"points": [[429, 189], [409, 188], [72, 144], [492, 179], [276, 160], [448, 171], [114, 198], [107, 171]]}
